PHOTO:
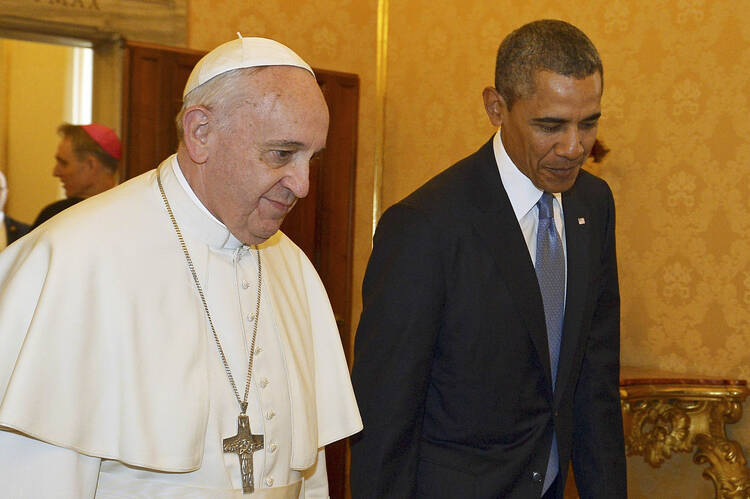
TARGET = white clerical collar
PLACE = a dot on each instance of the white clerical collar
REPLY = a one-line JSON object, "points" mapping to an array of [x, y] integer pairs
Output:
{"points": [[523, 194], [217, 233]]}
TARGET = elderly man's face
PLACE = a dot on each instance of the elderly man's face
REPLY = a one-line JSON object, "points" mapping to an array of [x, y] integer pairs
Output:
{"points": [[77, 176], [261, 163], [549, 134]]}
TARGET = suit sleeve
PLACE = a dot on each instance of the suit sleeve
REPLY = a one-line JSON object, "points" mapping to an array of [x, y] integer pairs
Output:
{"points": [[598, 444], [402, 300]]}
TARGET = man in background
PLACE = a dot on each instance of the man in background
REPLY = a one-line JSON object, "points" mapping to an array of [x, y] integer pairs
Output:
{"points": [[164, 338], [13, 229], [487, 354], [86, 163]]}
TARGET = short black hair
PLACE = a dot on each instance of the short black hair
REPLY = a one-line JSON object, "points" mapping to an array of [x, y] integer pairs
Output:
{"points": [[544, 45]]}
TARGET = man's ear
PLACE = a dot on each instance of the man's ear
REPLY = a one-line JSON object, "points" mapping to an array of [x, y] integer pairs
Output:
{"points": [[494, 105], [196, 123], [92, 164]]}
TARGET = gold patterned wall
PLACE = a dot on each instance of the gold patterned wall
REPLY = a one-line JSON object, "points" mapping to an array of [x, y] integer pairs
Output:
{"points": [[675, 116]]}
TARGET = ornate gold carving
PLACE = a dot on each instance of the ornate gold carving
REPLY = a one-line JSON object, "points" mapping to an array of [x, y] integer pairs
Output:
{"points": [[657, 431], [90, 4], [726, 469], [662, 419]]}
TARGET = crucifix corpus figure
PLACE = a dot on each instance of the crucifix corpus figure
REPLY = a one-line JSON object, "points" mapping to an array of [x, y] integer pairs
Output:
{"points": [[244, 443]]}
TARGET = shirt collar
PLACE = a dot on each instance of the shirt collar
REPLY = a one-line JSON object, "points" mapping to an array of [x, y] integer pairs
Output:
{"points": [[523, 194], [190, 212]]}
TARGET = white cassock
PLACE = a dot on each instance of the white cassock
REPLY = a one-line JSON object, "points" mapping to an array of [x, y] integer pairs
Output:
{"points": [[111, 384]]}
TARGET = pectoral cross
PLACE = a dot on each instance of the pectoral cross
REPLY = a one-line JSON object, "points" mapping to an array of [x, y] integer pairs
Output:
{"points": [[244, 443]]}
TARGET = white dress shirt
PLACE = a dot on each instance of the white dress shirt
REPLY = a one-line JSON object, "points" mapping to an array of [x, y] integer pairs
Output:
{"points": [[524, 195]]}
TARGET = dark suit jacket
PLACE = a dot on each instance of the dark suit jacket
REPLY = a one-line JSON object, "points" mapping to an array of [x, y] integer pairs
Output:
{"points": [[451, 367], [14, 229], [53, 209]]}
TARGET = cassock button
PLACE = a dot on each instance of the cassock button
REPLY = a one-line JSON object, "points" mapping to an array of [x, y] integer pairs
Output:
{"points": [[269, 481], [245, 284], [250, 317], [264, 382], [270, 415], [258, 350], [274, 447], [537, 477]]}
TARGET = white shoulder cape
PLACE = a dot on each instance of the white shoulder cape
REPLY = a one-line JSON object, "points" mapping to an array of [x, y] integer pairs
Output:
{"points": [[102, 333]]}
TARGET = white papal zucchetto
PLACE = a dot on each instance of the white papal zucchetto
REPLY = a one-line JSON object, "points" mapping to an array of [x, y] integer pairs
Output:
{"points": [[242, 53]]}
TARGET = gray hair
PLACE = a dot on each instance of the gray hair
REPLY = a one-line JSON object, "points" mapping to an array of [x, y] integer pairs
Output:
{"points": [[221, 94], [545, 45]]}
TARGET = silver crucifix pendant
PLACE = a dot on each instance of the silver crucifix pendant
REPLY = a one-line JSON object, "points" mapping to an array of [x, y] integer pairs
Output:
{"points": [[244, 443]]}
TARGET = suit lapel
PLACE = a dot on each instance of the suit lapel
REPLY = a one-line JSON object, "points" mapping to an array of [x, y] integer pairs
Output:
{"points": [[498, 227], [577, 237]]}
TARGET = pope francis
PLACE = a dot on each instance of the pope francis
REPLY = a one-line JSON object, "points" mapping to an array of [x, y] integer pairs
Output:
{"points": [[164, 338]]}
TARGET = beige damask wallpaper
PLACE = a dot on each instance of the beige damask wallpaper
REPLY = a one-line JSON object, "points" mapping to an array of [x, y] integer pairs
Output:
{"points": [[675, 116]]}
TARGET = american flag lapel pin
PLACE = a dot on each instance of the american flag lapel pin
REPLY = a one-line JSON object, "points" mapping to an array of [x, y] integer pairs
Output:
{"points": [[581, 221]]}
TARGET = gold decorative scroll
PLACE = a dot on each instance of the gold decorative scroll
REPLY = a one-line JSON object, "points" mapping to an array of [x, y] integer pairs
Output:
{"points": [[661, 419]]}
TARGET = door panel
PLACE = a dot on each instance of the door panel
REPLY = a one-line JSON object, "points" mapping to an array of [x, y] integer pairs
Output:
{"points": [[152, 95]]}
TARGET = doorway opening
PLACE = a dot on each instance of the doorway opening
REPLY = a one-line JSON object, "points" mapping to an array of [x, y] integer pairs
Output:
{"points": [[42, 84]]}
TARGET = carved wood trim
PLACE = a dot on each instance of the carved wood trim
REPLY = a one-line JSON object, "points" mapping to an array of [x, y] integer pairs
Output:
{"points": [[155, 21]]}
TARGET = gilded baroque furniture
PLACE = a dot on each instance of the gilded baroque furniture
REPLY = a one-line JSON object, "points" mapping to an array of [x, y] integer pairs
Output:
{"points": [[668, 413]]}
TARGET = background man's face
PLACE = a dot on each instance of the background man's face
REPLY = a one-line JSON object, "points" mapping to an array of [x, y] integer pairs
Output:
{"points": [[76, 175], [3, 191], [260, 164], [549, 134]]}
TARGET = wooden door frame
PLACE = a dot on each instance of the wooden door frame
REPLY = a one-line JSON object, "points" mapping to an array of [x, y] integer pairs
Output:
{"points": [[107, 78]]}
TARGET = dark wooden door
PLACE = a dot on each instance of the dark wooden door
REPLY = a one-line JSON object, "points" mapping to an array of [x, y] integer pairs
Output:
{"points": [[152, 96], [321, 224]]}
